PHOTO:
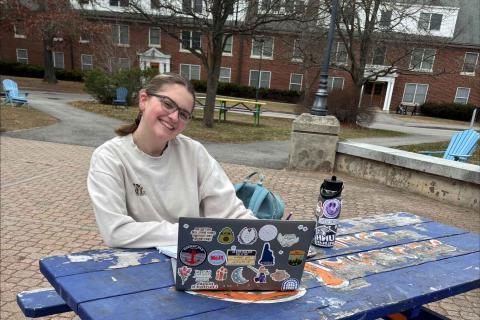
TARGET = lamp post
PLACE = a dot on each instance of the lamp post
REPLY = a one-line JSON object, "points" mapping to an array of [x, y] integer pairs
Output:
{"points": [[262, 40], [319, 107]]}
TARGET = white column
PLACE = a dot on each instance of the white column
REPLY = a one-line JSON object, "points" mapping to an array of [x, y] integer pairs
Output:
{"points": [[388, 93]]}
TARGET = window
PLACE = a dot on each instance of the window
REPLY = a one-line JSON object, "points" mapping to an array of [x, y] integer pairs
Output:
{"points": [[189, 6], [124, 63], [22, 56], [385, 18], [19, 29], [190, 71], [470, 63], [462, 95], [120, 34], [262, 48], [296, 81], [227, 47], [85, 37], [154, 37], [264, 79], [415, 93], [430, 21], [58, 60], [155, 4], [335, 83], [422, 59], [341, 56], [87, 61], [119, 3], [225, 74], [191, 39], [379, 56], [297, 51]]}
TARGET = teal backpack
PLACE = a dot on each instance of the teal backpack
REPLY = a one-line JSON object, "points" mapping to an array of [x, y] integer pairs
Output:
{"points": [[263, 203]]}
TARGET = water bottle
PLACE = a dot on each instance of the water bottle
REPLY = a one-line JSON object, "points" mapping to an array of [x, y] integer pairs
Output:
{"points": [[327, 212]]}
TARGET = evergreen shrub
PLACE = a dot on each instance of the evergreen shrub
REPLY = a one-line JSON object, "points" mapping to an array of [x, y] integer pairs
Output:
{"points": [[454, 111], [35, 71]]}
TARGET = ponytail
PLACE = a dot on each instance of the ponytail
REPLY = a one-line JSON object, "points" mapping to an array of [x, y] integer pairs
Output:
{"points": [[129, 128]]}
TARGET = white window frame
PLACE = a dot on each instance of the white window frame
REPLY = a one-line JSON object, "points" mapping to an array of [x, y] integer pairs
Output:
{"points": [[467, 73], [18, 35], [466, 98], [119, 38], [337, 51], [54, 53], [120, 64], [82, 40], [229, 75], [150, 44], [21, 58], [82, 57], [260, 76], [226, 53], [330, 84], [119, 4], [262, 53], [300, 84], [429, 26], [296, 58], [191, 40], [420, 67], [190, 70], [415, 93]]}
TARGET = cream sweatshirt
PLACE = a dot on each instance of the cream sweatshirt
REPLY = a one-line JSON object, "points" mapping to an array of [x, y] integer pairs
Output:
{"points": [[138, 198]]}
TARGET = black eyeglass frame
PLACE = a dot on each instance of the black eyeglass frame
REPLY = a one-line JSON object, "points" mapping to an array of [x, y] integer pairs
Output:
{"points": [[171, 106]]}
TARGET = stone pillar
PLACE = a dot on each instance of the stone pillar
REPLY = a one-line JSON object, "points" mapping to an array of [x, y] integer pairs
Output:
{"points": [[313, 142]]}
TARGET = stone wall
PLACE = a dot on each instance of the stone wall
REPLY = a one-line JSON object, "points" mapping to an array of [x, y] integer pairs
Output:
{"points": [[444, 180]]}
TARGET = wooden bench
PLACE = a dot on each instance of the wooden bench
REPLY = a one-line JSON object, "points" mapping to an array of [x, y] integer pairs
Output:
{"points": [[404, 107], [237, 105]]}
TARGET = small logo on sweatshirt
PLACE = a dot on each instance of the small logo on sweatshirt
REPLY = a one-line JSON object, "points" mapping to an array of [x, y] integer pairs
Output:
{"points": [[139, 189]]}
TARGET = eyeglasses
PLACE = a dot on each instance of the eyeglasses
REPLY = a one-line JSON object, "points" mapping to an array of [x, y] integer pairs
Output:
{"points": [[171, 106]]}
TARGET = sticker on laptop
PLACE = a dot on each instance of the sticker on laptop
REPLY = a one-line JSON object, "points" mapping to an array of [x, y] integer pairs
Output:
{"points": [[192, 255], [202, 275], [248, 236], [267, 258], [289, 284], [241, 257], [202, 234], [296, 257], [279, 275], [267, 232], [226, 236], [287, 240], [221, 274], [217, 257], [261, 274], [237, 276], [184, 272], [204, 286]]}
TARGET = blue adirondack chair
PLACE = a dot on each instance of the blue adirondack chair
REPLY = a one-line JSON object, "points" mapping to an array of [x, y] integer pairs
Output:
{"points": [[461, 146], [12, 94], [121, 99]]}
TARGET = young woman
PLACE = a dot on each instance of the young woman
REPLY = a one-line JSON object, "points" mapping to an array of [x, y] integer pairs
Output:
{"points": [[142, 181]]}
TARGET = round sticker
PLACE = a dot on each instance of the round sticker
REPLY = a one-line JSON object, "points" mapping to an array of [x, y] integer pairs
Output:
{"points": [[331, 208], [192, 255], [267, 232], [185, 226], [217, 257]]}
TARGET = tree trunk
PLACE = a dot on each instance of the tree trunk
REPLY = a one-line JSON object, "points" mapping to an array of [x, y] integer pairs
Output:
{"points": [[212, 86], [49, 73]]}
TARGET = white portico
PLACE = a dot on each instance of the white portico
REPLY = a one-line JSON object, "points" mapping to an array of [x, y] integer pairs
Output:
{"points": [[378, 93], [155, 59]]}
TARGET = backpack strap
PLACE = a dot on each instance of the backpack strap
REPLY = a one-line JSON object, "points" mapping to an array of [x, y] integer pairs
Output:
{"points": [[257, 198], [240, 185]]}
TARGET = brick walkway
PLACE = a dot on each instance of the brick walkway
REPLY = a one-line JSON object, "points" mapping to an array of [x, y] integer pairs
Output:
{"points": [[45, 210]]}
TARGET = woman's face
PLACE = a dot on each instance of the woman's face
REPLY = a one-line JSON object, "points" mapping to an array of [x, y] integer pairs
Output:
{"points": [[159, 119]]}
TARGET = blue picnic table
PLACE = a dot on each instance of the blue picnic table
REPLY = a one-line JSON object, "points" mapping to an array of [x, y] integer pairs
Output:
{"points": [[380, 265]]}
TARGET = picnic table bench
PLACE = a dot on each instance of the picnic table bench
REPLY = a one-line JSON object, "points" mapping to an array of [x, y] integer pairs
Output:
{"points": [[405, 107], [381, 266], [238, 105]]}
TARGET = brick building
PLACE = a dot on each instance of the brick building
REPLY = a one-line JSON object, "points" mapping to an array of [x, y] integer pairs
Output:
{"points": [[444, 69]]}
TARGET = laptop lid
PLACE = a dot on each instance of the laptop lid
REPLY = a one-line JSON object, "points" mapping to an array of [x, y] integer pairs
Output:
{"points": [[241, 254]]}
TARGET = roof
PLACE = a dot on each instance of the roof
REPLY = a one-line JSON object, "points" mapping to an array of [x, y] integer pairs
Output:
{"points": [[467, 29]]}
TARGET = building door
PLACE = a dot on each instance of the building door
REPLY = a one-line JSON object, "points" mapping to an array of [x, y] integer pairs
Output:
{"points": [[374, 94], [155, 65]]}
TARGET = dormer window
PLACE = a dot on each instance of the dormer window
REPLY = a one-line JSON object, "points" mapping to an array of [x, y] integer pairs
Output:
{"points": [[385, 19], [119, 3], [430, 21], [189, 6]]}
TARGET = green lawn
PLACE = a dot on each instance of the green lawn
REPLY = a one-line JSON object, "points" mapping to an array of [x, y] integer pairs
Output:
{"points": [[238, 128], [439, 146]]}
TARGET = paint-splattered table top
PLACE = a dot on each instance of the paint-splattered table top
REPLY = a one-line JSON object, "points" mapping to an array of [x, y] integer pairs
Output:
{"points": [[379, 265]]}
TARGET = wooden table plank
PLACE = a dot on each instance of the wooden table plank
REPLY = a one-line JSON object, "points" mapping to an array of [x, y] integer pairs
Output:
{"points": [[385, 293]]}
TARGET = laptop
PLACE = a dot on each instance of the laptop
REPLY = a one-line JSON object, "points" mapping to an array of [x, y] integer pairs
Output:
{"points": [[241, 254]]}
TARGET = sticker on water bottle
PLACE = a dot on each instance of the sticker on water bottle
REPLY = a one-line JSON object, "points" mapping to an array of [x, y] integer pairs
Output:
{"points": [[332, 208]]}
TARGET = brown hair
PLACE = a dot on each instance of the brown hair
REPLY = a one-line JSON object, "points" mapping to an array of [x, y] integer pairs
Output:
{"points": [[154, 86]]}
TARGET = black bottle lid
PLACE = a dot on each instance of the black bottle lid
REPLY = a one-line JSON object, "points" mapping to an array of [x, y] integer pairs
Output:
{"points": [[331, 188]]}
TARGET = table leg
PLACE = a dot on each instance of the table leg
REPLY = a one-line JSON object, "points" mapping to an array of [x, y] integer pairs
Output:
{"points": [[256, 115]]}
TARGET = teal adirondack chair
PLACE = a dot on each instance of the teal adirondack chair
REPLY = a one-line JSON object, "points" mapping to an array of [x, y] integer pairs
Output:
{"points": [[12, 95], [121, 99], [461, 146]]}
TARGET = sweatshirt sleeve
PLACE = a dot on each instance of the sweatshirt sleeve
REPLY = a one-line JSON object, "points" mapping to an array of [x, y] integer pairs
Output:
{"points": [[118, 229], [218, 198]]}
